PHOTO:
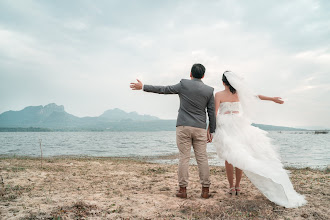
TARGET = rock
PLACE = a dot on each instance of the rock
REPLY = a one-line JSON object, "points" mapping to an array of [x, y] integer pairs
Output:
{"points": [[304, 215]]}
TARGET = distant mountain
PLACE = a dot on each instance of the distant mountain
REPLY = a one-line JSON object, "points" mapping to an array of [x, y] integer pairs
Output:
{"points": [[55, 118], [32, 116], [315, 127], [118, 115], [276, 128]]}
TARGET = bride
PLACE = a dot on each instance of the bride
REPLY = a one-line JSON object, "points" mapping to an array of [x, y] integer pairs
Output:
{"points": [[248, 148]]}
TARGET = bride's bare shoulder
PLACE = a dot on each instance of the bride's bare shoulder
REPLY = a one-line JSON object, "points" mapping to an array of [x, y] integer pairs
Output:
{"points": [[220, 93]]}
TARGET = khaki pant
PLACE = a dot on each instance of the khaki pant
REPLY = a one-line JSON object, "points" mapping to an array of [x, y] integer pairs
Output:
{"points": [[197, 137]]}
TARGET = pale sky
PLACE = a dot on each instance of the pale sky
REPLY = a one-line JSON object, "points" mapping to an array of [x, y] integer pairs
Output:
{"points": [[83, 54]]}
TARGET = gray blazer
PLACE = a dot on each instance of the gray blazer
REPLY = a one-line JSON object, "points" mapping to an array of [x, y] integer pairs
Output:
{"points": [[195, 97]]}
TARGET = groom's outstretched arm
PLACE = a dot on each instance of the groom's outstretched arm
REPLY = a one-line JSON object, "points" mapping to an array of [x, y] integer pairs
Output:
{"points": [[173, 89], [211, 114]]}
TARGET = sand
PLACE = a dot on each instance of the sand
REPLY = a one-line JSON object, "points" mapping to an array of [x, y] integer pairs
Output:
{"points": [[119, 188]]}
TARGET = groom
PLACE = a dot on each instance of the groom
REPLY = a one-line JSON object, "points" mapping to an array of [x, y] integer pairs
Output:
{"points": [[195, 98]]}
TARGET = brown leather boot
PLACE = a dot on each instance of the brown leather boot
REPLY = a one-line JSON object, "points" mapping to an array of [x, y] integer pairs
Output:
{"points": [[205, 193], [182, 193]]}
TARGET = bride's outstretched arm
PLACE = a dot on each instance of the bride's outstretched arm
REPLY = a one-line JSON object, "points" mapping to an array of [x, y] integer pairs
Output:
{"points": [[274, 99]]}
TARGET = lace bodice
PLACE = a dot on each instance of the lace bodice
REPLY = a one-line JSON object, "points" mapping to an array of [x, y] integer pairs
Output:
{"points": [[230, 108]]}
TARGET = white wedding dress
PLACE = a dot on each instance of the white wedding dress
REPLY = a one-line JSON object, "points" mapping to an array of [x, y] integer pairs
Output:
{"points": [[249, 149]]}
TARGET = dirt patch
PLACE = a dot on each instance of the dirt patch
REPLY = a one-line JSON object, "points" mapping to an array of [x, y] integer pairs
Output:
{"points": [[120, 188]]}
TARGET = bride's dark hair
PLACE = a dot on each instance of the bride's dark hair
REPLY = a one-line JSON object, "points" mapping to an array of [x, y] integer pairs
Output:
{"points": [[225, 80]]}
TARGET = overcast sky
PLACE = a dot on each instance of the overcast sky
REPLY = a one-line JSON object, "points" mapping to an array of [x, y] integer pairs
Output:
{"points": [[83, 54]]}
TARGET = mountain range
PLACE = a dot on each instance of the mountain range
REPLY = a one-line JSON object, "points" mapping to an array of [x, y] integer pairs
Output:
{"points": [[53, 117]]}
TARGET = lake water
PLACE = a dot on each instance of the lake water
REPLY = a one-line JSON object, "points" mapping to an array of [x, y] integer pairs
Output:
{"points": [[297, 149]]}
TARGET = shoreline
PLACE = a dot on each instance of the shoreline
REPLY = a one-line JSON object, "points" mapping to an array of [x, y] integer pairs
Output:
{"points": [[146, 159], [126, 188]]}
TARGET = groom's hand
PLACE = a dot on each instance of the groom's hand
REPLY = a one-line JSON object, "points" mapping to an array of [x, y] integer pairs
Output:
{"points": [[209, 137], [136, 86]]}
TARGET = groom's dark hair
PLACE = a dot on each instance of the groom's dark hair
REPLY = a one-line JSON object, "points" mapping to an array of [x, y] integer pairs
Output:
{"points": [[197, 70]]}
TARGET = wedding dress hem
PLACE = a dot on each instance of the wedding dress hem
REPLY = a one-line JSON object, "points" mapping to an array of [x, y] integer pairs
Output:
{"points": [[249, 149]]}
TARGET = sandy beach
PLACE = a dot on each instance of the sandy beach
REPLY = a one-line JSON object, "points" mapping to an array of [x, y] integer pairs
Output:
{"points": [[121, 188]]}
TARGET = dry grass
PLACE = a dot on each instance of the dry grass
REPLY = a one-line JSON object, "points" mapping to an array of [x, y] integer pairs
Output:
{"points": [[121, 188]]}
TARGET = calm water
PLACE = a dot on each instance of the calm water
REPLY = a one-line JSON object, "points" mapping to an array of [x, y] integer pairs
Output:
{"points": [[298, 149]]}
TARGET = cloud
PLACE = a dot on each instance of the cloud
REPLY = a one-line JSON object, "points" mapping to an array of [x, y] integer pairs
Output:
{"points": [[18, 46], [83, 54], [317, 56], [76, 25]]}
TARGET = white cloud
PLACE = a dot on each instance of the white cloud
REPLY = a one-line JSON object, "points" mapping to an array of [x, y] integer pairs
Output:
{"points": [[86, 58], [319, 55], [76, 25], [19, 46]]}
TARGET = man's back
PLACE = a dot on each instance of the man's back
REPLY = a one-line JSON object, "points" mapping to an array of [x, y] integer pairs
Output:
{"points": [[195, 97]]}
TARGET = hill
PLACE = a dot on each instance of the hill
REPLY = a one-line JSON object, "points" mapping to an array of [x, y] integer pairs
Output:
{"points": [[53, 117]]}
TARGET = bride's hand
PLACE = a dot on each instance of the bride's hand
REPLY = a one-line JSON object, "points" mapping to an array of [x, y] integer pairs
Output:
{"points": [[136, 86], [278, 100]]}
